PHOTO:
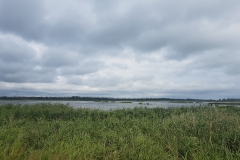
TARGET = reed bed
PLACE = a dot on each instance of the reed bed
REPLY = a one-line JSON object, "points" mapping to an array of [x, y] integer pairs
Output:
{"points": [[60, 132]]}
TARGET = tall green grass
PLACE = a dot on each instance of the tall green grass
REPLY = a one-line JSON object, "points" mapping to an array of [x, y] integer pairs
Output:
{"points": [[57, 131]]}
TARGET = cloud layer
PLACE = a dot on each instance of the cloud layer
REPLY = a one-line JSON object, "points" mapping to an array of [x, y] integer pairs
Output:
{"points": [[187, 49]]}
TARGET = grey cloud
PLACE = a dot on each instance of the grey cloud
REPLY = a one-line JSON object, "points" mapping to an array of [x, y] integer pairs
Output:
{"points": [[23, 17], [28, 77], [213, 10], [64, 29], [185, 40], [120, 30], [99, 81], [34, 20], [59, 58], [226, 61], [143, 77], [104, 81], [85, 67], [186, 36], [143, 26], [119, 65], [15, 51], [76, 80], [111, 24], [26, 73], [18, 62]]}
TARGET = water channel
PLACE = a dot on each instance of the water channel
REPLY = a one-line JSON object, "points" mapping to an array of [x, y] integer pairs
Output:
{"points": [[107, 105]]}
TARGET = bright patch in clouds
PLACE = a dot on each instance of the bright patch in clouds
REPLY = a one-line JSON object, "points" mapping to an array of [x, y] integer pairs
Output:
{"points": [[187, 49]]}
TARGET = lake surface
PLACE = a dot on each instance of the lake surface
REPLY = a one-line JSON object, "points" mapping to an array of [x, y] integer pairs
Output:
{"points": [[107, 105]]}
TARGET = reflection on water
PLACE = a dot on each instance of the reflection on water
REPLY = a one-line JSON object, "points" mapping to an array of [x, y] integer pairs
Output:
{"points": [[108, 105]]}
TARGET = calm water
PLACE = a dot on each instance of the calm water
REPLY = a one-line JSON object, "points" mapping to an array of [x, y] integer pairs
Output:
{"points": [[107, 105]]}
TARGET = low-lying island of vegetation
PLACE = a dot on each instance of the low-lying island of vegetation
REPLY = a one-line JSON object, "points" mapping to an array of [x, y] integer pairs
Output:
{"points": [[57, 131]]}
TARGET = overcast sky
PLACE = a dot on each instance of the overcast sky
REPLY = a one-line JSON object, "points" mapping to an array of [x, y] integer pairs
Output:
{"points": [[127, 48]]}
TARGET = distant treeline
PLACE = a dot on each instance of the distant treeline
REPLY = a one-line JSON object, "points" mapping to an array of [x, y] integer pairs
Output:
{"points": [[79, 98]]}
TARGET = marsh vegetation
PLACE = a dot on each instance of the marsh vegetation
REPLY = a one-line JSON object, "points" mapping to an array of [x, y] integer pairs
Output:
{"points": [[57, 131]]}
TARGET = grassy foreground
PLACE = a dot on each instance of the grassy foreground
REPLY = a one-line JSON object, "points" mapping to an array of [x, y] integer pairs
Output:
{"points": [[56, 131]]}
